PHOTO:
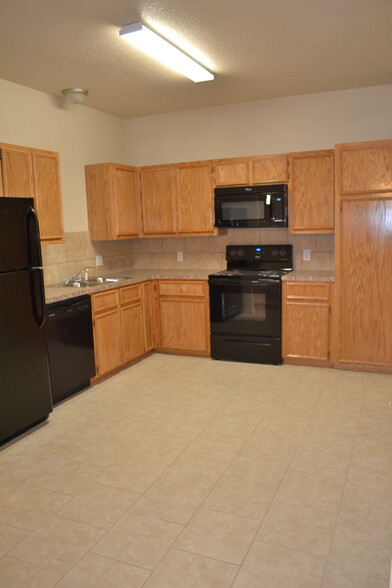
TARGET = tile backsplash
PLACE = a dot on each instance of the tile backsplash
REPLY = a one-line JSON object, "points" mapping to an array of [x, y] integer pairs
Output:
{"points": [[77, 251], [61, 261], [209, 252]]}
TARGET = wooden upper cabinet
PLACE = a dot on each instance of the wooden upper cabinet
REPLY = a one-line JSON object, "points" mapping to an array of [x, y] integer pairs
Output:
{"points": [[48, 196], [159, 197], [17, 172], [311, 195], [195, 199], [230, 172], [364, 168], [269, 171], [34, 173], [127, 201], [113, 201]]}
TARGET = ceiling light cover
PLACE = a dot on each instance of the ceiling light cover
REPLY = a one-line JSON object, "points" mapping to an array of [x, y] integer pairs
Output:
{"points": [[75, 95], [163, 51]]}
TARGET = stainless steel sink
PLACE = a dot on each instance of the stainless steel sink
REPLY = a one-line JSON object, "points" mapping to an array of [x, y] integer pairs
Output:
{"points": [[94, 282]]}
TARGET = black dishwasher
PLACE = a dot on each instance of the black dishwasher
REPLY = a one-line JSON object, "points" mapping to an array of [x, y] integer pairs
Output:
{"points": [[70, 346]]}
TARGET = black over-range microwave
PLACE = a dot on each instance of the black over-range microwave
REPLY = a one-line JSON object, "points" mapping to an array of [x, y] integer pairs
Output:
{"points": [[251, 206]]}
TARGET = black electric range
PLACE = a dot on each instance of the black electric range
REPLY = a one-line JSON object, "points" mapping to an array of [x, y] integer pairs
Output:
{"points": [[246, 303]]}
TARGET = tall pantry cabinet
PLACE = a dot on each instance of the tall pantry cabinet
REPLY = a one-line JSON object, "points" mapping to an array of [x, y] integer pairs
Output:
{"points": [[364, 256]]}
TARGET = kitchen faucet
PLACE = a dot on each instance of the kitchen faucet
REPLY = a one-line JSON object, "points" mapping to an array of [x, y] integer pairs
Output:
{"points": [[75, 277]]}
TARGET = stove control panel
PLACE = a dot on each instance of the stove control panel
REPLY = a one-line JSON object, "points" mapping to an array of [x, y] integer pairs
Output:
{"points": [[253, 253]]}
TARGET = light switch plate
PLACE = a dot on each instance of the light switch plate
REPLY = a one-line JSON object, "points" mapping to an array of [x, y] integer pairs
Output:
{"points": [[306, 255], [180, 256], [98, 260]]}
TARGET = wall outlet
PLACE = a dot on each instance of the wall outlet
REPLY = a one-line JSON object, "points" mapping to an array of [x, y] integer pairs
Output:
{"points": [[180, 256], [306, 255], [98, 260]]}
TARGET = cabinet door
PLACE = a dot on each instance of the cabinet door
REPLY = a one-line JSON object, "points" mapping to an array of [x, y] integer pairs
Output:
{"points": [[231, 173], [148, 318], [365, 168], [195, 199], [183, 325], [365, 282], [48, 197], [311, 198], [159, 200], [108, 341], [269, 171], [17, 172], [132, 331], [126, 202], [307, 330]]}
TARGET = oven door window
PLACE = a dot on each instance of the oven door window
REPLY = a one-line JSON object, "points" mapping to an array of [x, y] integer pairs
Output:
{"points": [[241, 305], [246, 308]]}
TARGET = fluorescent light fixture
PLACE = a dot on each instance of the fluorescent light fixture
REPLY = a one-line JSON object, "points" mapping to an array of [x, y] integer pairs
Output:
{"points": [[163, 51]]}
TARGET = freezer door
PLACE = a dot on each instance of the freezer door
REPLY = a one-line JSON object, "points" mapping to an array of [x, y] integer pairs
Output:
{"points": [[25, 395], [19, 235]]}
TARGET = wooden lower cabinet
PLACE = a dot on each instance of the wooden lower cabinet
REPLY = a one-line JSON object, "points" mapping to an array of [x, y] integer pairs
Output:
{"points": [[148, 316], [183, 317], [306, 320], [131, 308], [107, 332], [123, 326]]}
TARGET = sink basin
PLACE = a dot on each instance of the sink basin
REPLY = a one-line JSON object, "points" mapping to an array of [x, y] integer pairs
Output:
{"points": [[95, 282]]}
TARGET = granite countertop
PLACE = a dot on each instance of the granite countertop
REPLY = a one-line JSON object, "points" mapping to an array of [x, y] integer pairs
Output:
{"points": [[56, 293], [309, 276]]}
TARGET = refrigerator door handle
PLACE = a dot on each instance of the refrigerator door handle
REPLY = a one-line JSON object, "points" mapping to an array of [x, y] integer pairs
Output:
{"points": [[33, 237], [38, 296]]}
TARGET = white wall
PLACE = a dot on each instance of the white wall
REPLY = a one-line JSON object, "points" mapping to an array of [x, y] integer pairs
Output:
{"points": [[80, 134], [297, 123]]}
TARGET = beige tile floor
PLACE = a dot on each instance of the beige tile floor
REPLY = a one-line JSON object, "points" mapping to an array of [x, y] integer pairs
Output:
{"points": [[191, 473]]}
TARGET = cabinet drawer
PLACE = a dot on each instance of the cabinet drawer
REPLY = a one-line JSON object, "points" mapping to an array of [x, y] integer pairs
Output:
{"points": [[130, 294], [104, 301], [181, 289], [307, 291]]}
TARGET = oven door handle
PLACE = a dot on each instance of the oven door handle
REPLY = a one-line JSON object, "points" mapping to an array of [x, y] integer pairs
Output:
{"points": [[265, 283], [235, 282]]}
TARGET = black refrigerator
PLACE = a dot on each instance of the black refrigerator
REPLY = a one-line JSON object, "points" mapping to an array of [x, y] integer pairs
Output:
{"points": [[25, 394]]}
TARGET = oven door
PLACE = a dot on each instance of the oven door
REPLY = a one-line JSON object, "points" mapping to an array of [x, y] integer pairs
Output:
{"points": [[245, 307], [242, 210]]}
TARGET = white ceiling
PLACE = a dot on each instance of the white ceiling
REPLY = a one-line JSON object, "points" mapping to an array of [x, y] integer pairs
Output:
{"points": [[257, 49]]}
